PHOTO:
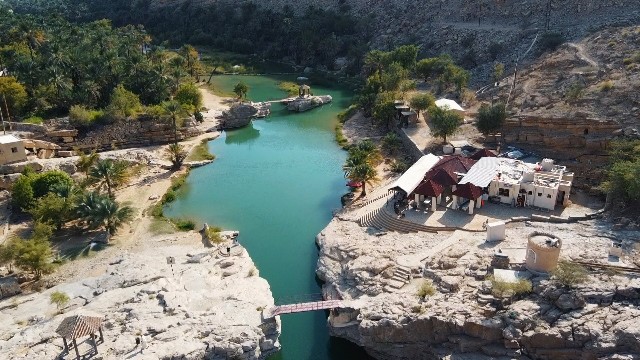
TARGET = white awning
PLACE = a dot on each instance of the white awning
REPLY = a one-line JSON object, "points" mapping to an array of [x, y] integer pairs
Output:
{"points": [[411, 178], [483, 172], [449, 104]]}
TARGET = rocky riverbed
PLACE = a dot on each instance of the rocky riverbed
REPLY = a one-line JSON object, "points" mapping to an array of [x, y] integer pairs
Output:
{"points": [[204, 306], [464, 318]]}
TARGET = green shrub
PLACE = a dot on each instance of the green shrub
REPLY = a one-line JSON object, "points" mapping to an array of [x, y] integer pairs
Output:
{"points": [[201, 152], [83, 117], [340, 138], [347, 113], [426, 289], [574, 92], [189, 96], [391, 142], [606, 85], [168, 197], [157, 210], [501, 288], [213, 234], [184, 224], [59, 298], [634, 58], [33, 120], [399, 166], [289, 87], [570, 274]]}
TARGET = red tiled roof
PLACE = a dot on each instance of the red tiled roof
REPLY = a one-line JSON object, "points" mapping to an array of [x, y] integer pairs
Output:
{"points": [[468, 191], [455, 164], [77, 326], [442, 177], [429, 188], [483, 153]]}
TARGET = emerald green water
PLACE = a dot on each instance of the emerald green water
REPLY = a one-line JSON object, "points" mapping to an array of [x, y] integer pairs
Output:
{"points": [[277, 182]]}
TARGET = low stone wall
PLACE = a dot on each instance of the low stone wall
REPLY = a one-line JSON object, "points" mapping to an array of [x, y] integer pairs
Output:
{"points": [[409, 145], [129, 133]]}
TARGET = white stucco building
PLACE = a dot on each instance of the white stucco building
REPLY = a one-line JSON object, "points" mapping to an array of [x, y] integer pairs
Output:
{"points": [[543, 185], [11, 150]]}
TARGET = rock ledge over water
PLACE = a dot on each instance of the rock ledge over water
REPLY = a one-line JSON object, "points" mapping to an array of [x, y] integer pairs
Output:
{"points": [[200, 309]]}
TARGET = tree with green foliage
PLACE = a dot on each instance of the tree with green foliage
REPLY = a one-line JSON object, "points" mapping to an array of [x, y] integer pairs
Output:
{"points": [[109, 174], [498, 72], [491, 118], [86, 161], [7, 253], [59, 299], [14, 93], [35, 254], [99, 211], [421, 102], [30, 187], [623, 176], [51, 209], [444, 70], [45, 183], [384, 109], [189, 96], [123, 103], [22, 197], [241, 89], [394, 76], [191, 56], [392, 143], [444, 122], [174, 109], [176, 153], [364, 173]]}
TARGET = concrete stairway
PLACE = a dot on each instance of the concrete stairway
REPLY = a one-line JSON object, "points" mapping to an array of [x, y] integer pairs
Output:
{"points": [[400, 277], [381, 219]]}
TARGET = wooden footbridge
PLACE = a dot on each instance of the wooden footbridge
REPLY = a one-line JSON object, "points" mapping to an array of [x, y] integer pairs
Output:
{"points": [[304, 303]]}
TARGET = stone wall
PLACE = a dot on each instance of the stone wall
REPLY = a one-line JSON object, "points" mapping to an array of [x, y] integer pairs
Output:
{"points": [[581, 143], [411, 147], [144, 131]]}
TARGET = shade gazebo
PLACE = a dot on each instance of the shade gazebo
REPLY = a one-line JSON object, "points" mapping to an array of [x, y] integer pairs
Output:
{"points": [[77, 326], [468, 191], [432, 189]]}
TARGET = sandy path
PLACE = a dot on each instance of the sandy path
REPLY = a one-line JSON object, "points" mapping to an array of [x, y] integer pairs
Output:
{"points": [[142, 192]]}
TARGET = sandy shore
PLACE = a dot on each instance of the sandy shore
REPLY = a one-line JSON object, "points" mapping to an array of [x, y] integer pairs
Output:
{"points": [[141, 193]]}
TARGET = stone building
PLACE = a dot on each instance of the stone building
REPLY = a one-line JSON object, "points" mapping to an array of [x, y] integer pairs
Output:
{"points": [[11, 150]]}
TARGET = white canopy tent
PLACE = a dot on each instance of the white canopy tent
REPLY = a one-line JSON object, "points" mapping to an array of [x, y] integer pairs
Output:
{"points": [[411, 178]]}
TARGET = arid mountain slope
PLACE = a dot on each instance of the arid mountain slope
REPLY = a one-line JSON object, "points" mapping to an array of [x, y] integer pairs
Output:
{"points": [[572, 102]]}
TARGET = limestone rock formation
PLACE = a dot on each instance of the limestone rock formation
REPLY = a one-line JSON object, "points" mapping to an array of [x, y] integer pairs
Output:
{"points": [[465, 318], [189, 310], [241, 114], [301, 104]]}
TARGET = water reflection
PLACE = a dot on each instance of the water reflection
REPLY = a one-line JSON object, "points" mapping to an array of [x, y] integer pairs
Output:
{"points": [[241, 136]]}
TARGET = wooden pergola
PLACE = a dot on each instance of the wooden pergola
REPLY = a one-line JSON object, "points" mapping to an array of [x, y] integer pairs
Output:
{"points": [[78, 326]]}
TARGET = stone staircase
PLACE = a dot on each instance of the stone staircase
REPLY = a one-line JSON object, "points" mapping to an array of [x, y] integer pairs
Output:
{"points": [[400, 277]]}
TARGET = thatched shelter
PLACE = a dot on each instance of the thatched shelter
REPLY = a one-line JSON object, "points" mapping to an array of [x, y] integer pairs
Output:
{"points": [[74, 327]]}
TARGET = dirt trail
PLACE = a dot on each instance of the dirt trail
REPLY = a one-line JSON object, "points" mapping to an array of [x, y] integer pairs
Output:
{"points": [[581, 53]]}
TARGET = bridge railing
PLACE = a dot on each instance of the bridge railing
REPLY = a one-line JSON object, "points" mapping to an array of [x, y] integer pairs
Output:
{"points": [[300, 298]]}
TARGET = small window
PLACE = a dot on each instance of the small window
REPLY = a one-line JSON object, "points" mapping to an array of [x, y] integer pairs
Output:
{"points": [[549, 196], [14, 149], [503, 192], [539, 194], [530, 193]]}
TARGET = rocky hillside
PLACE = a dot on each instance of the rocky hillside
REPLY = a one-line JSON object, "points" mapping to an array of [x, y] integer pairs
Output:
{"points": [[477, 32], [573, 101]]}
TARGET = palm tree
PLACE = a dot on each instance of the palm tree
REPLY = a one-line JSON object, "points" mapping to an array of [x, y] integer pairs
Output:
{"points": [[85, 162], [173, 109], [363, 173], [176, 154], [99, 211], [109, 173]]}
